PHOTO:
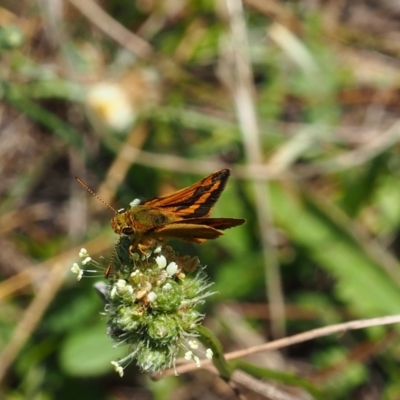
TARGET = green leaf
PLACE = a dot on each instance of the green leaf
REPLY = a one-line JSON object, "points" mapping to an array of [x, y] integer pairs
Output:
{"points": [[327, 235], [89, 352]]}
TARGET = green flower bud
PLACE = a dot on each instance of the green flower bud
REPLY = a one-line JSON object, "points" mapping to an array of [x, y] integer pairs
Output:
{"points": [[195, 286], [164, 328], [190, 319], [154, 359], [169, 297], [126, 318]]}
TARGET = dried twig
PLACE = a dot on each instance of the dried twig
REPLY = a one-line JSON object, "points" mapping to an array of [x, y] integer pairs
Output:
{"points": [[242, 86], [261, 387], [363, 154], [112, 28], [290, 341]]}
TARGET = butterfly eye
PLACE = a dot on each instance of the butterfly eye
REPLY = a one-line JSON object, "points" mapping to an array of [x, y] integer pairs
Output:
{"points": [[127, 230]]}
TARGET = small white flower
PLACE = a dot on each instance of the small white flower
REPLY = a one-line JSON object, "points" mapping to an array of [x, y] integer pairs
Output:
{"points": [[172, 268], [121, 284], [86, 260], [190, 356], [157, 249], [113, 291], [197, 361], [134, 202], [83, 253], [129, 289], [161, 262], [118, 369], [134, 273], [77, 270], [123, 288], [167, 287], [193, 344], [151, 297], [110, 103], [209, 354]]}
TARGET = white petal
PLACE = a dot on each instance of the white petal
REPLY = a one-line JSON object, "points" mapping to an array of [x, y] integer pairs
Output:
{"points": [[86, 260], [172, 268], [161, 262], [83, 253], [151, 297]]}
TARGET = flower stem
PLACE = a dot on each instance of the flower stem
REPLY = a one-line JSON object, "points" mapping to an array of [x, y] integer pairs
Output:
{"points": [[210, 340]]}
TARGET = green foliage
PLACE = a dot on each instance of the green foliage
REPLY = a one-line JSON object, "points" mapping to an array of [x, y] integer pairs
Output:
{"points": [[353, 374], [88, 352], [327, 236]]}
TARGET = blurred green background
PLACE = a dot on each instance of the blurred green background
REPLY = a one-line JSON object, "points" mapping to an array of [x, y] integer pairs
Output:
{"points": [[139, 98]]}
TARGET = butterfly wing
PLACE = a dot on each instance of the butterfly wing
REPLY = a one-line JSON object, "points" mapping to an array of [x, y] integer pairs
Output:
{"points": [[197, 229], [188, 232], [216, 223], [195, 201]]}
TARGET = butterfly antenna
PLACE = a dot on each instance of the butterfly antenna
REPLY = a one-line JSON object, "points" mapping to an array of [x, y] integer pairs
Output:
{"points": [[111, 263], [80, 181]]}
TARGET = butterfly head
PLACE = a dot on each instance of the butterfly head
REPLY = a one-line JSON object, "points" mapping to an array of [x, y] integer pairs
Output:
{"points": [[121, 223]]}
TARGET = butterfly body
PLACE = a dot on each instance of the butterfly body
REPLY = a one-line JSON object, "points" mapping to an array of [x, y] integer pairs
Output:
{"points": [[139, 219], [183, 214]]}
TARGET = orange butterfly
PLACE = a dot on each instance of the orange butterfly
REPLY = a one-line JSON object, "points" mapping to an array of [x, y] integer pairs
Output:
{"points": [[183, 215]]}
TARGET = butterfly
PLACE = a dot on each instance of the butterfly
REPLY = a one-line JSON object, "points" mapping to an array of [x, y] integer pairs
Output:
{"points": [[182, 215]]}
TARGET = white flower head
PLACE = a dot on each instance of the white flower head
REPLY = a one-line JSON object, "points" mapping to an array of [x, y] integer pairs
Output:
{"points": [[77, 270], [209, 354], [121, 284], [122, 288], [86, 260], [151, 297], [189, 356], [83, 253], [111, 104], [193, 344], [197, 361], [134, 273], [172, 268], [118, 369], [113, 291], [157, 250], [161, 262], [128, 289], [167, 287]]}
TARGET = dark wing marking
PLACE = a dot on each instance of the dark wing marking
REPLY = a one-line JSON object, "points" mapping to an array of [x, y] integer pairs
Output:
{"points": [[196, 200]]}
